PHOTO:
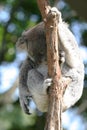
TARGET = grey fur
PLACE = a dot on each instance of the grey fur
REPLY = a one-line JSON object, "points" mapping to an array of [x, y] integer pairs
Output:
{"points": [[34, 80]]}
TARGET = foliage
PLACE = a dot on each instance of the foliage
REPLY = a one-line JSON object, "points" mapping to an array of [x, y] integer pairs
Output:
{"points": [[14, 119], [17, 13]]}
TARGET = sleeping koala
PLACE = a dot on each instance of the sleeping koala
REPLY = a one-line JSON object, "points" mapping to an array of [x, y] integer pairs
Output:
{"points": [[33, 78]]}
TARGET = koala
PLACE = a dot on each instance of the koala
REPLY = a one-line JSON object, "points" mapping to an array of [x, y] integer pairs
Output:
{"points": [[34, 80]]}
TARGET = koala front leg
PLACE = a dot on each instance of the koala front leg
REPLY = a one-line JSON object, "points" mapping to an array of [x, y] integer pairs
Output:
{"points": [[68, 42], [69, 45]]}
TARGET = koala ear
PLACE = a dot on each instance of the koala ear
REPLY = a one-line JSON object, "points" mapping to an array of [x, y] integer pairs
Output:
{"points": [[21, 43]]}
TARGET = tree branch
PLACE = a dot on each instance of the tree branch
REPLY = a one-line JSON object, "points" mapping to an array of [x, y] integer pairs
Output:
{"points": [[50, 19]]}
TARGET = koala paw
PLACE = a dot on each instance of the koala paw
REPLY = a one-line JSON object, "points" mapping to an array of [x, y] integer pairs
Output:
{"points": [[47, 83], [54, 9]]}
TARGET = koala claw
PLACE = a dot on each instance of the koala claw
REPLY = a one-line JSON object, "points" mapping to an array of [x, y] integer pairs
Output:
{"points": [[47, 83], [62, 58], [54, 9]]}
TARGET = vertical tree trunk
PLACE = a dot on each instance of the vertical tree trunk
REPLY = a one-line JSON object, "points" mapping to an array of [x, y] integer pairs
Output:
{"points": [[50, 19]]}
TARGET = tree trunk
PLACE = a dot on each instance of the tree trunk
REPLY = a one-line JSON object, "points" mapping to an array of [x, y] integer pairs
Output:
{"points": [[50, 19]]}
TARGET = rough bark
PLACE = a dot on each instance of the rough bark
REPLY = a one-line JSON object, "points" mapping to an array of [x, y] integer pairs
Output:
{"points": [[50, 19]]}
